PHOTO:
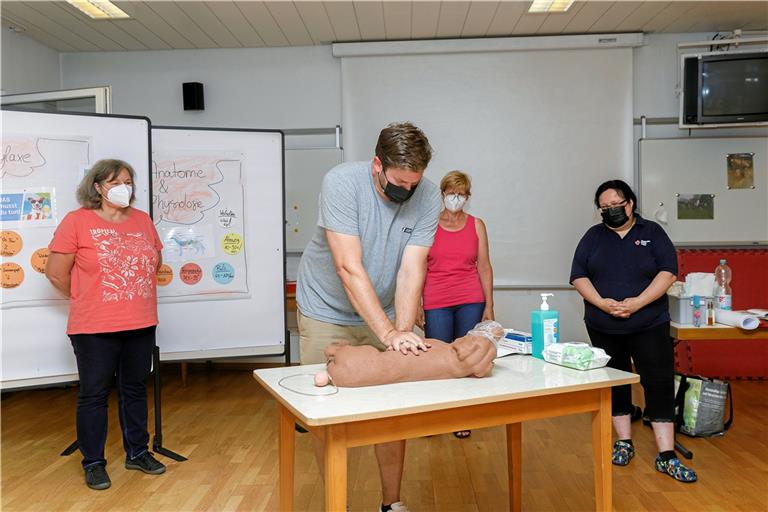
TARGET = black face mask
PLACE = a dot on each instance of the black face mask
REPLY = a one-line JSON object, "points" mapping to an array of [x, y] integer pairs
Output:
{"points": [[615, 217], [397, 194]]}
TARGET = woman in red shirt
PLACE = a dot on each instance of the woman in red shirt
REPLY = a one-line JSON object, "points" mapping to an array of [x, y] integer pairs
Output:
{"points": [[458, 291], [104, 257]]}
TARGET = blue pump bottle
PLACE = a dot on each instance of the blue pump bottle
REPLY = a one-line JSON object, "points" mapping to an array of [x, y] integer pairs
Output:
{"points": [[545, 326]]}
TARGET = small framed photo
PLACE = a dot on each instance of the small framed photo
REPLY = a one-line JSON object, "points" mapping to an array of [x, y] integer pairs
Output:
{"points": [[695, 207], [741, 170]]}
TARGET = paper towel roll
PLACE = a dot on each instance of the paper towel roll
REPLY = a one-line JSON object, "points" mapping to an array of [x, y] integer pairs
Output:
{"points": [[736, 319]]}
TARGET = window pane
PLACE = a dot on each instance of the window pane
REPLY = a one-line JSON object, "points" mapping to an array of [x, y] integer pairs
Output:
{"points": [[68, 105]]}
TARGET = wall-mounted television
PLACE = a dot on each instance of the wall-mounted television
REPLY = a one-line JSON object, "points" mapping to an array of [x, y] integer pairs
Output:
{"points": [[724, 89]]}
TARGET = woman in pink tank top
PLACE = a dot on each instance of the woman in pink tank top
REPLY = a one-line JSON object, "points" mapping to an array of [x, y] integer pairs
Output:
{"points": [[458, 291]]}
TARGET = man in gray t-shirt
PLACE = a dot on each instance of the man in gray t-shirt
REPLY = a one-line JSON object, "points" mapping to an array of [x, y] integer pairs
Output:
{"points": [[361, 276], [350, 205]]}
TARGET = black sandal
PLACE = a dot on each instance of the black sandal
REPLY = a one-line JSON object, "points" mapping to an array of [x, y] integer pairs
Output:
{"points": [[462, 434]]}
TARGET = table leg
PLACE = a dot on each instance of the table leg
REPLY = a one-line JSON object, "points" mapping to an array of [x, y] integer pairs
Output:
{"points": [[336, 468], [287, 459], [601, 451], [514, 465]]}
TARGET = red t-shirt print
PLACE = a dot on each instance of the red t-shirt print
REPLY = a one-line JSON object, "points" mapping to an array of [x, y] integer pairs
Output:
{"points": [[114, 274], [127, 261]]}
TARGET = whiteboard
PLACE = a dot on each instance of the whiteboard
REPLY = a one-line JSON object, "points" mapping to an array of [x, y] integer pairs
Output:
{"points": [[304, 171], [674, 172], [220, 191], [537, 131], [35, 347]]}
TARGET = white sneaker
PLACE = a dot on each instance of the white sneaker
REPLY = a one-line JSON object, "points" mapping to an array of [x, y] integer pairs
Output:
{"points": [[397, 506]]}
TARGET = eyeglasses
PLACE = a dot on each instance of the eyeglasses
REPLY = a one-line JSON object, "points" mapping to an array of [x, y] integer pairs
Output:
{"points": [[607, 207]]}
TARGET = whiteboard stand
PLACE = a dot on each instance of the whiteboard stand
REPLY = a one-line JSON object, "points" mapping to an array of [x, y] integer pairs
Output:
{"points": [[287, 348], [157, 441], [69, 450]]}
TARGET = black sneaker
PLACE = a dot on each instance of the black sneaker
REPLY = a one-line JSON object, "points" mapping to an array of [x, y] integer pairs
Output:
{"points": [[146, 463], [96, 477]]}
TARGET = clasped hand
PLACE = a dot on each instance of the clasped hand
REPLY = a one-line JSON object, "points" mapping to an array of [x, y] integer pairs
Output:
{"points": [[621, 309], [405, 341]]}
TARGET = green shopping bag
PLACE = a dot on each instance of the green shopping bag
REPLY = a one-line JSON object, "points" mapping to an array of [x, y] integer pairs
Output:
{"points": [[700, 406]]}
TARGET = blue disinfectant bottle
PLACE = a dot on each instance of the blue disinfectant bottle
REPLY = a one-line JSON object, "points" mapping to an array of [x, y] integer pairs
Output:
{"points": [[545, 326]]}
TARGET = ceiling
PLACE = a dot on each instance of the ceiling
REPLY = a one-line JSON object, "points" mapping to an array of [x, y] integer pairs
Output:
{"points": [[163, 25]]}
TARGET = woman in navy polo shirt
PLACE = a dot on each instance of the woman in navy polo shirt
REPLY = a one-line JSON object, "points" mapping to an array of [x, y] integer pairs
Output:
{"points": [[623, 267]]}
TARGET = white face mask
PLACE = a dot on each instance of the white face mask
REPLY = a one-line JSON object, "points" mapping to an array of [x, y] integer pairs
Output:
{"points": [[120, 195], [454, 202]]}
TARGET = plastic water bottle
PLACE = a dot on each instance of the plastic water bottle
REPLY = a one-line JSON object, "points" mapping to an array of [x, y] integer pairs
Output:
{"points": [[723, 294]]}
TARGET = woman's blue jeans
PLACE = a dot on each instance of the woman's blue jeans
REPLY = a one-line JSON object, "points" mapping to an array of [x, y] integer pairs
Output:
{"points": [[448, 324], [123, 358]]}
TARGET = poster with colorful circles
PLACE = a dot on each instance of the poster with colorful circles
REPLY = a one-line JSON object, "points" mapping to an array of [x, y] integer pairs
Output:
{"points": [[38, 177], [199, 212]]}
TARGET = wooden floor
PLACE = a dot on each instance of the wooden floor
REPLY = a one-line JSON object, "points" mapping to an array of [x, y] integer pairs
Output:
{"points": [[226, 424]]}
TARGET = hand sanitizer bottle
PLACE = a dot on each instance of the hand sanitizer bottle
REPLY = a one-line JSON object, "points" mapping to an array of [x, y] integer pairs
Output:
{"points": [[545, 327]]}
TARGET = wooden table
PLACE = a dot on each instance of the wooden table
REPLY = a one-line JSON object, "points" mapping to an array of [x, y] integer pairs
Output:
{"points": [[697, 349], [521, 388], [290, 301], [684, 332]]}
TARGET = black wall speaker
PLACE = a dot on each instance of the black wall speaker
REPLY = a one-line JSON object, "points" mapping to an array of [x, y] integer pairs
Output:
{"points": [[193, 96]]}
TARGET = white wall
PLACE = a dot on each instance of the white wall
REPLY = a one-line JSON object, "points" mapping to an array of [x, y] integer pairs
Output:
{"points": [[656, 73], [27, 66], [244, 88], [502, 135]]}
